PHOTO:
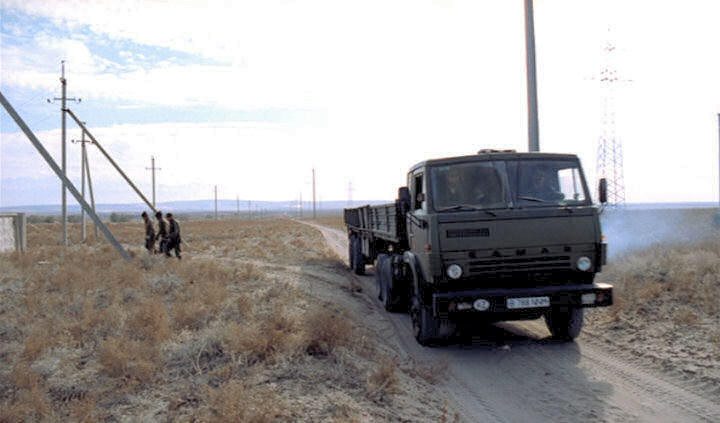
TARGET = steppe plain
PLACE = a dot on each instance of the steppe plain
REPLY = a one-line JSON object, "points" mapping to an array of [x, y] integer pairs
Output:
{"points": [[262, 321]]}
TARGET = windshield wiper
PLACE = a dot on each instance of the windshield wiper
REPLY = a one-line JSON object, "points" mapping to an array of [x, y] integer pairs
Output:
{"points": [[466, 207], [539, 200]]}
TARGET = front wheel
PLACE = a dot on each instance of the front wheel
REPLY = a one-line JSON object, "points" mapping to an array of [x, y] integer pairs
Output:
{"points": [[425, 326], [565, 323]]}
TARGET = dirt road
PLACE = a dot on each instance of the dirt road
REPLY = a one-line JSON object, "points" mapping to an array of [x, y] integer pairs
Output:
{"points": [[513, 372]]}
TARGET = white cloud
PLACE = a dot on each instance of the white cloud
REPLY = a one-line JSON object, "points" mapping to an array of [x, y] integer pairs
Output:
{"points": [[404, 81]]}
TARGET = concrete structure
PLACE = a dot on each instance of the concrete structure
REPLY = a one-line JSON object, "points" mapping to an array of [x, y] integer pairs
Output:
{"points": [[13, 232]]}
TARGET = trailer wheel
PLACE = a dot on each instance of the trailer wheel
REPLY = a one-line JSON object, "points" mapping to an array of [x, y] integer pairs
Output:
{"points": [[351, 251], [358, 259], [425, 326], [565, 323], [379, 283]]}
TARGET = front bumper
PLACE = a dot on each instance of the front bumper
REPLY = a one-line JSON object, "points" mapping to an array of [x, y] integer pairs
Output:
{"points": [[446, 303]]}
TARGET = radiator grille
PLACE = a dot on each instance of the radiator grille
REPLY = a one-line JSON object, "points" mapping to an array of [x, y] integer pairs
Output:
{"points": [[498, 264]]}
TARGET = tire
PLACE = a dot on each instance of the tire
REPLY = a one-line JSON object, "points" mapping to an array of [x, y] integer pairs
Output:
{"points": [[565, 323], [388, 299], [393, 299], [351, 251], [358, 259], [425, 326], [379, 283]]}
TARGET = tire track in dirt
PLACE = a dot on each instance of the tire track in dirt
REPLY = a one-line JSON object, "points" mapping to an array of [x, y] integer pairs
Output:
{"points": [[514, 372]]}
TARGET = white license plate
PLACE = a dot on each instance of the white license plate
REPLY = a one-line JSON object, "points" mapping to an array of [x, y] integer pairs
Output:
{"points": [[528, 302]]}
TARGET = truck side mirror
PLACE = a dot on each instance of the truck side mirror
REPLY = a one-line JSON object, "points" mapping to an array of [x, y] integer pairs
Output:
{"points": [[404, 198], [602, 191]]}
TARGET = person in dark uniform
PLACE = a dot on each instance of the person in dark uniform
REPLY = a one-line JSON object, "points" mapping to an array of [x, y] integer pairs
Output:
{"points": [[162, 234], [174, 239], [149, 233]]}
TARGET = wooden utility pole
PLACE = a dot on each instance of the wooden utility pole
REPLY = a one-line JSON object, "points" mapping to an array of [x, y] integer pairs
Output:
{"points": [[63, 109], [153, 168], [85, 170]]}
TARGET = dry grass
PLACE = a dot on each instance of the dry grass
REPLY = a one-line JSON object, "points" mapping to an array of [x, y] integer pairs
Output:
{"points": [[336, 222], [227, 334], [665, 304], [383, 380], [667, 275]]}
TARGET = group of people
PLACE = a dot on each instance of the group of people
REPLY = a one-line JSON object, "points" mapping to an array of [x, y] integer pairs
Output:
{"points": [[168, 234]]}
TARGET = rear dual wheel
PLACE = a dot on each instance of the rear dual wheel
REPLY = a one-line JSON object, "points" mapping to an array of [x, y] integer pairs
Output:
{"points": [[388, 293], [379, 282]]}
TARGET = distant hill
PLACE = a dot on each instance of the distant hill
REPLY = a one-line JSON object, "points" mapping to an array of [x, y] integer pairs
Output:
{"points": [[230, 206], [195, 206]]}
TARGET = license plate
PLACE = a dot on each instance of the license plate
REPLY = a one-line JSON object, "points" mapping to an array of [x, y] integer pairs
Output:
{"points": [[528, 302]]}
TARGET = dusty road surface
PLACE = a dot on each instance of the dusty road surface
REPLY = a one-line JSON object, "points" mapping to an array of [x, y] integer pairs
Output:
{"points": [[513, 372]]}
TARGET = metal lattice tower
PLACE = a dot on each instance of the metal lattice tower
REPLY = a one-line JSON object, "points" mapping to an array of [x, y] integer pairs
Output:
{"points": [[610, 151]]}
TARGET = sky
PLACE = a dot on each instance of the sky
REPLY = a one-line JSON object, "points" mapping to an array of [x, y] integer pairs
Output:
{"points": [[251, 96]]}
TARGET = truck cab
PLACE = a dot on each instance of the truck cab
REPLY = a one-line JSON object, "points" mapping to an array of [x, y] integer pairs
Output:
{"points": [[499, 235]]}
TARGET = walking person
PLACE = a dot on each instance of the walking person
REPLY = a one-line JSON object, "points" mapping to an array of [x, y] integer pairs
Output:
{"points": [[149, 233], [174, 239], [162, 234]]}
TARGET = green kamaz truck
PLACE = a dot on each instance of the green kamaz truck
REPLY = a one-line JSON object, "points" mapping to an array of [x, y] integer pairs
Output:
{"points": [[495, 236]]}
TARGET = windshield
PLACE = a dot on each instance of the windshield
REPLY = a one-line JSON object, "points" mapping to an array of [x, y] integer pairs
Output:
{"points": [[508, 183], [472, 185]]}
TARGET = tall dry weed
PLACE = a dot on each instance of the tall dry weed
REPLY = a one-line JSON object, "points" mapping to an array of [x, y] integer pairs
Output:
{"points": [[383, 380], [128, 360], [149, 322], [235, 402], [324, 331]]}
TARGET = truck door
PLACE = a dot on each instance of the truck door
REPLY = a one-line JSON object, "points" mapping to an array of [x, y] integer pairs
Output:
{"points": [[416, 220]]}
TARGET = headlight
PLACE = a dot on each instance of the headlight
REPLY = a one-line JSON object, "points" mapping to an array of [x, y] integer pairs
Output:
{"points": [[481, 304], [584, 263], [454, 271]]}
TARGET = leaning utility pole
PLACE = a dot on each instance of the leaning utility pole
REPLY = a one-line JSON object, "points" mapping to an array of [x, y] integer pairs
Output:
{"points": [[58, 171], [313, 174], [63, 109], [533, 126], [153, 168], [110, 159]]}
